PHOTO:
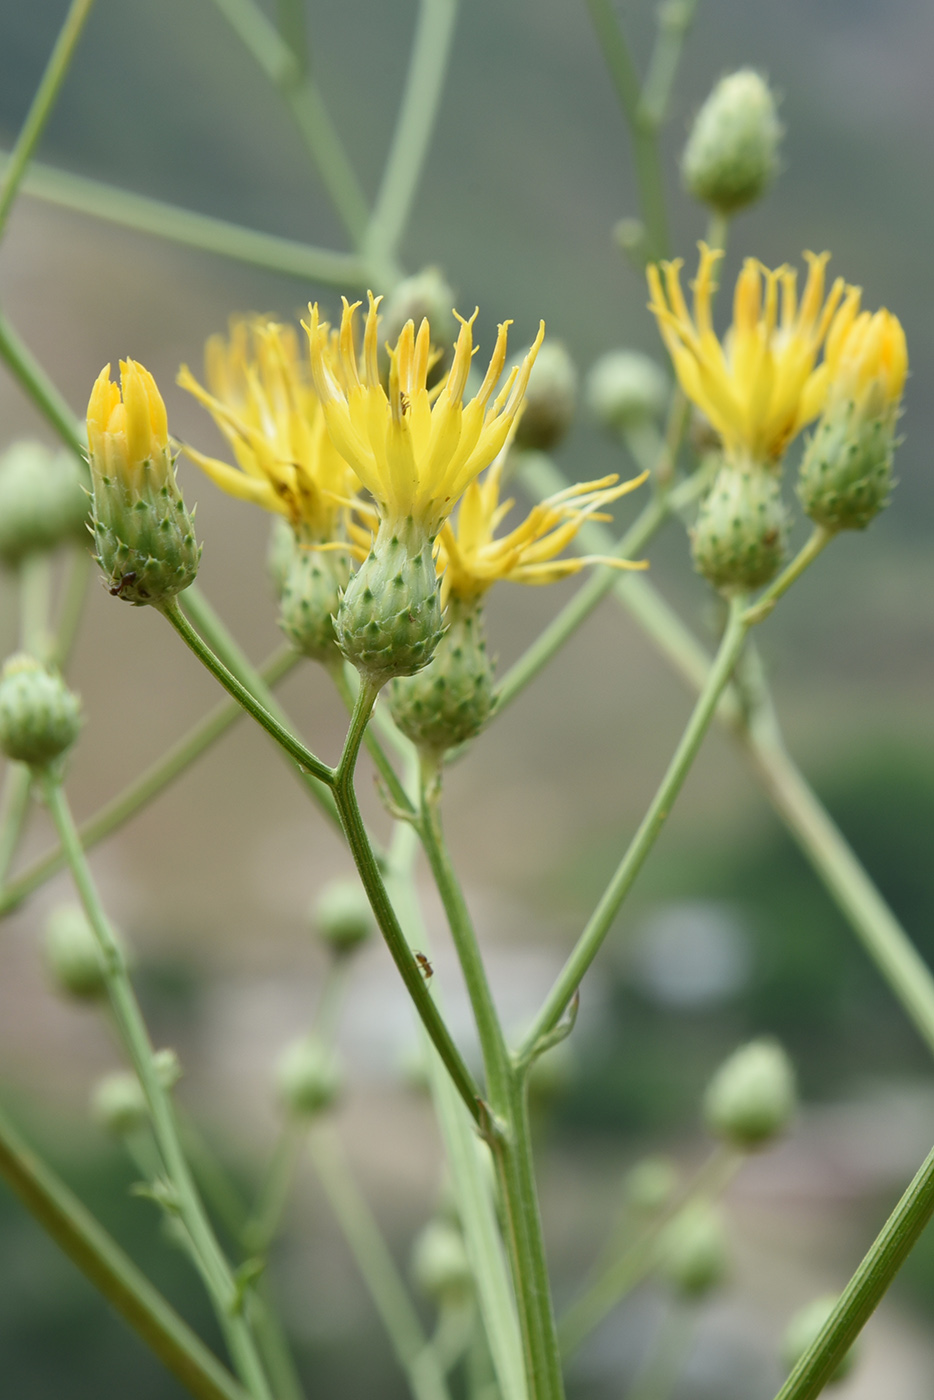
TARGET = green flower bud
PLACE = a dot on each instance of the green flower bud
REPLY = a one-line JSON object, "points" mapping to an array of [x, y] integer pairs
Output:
{"points": [[651, 1184], [440, 1269], [804, 1328], [625, 390], [311, 593], [751, 1099], [43, 502], [425, 296], [279, 552], [731, 153], [550, 399], [694, 1255], [119, 1104], [72, 954], [168, 1067], [308, 1077], [389, 621], [451, 699], [343, 916], [40, 718], [143, 533], [739, 539]]}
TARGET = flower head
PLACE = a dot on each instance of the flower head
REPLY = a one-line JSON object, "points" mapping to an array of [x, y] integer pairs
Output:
{"points": [[127, 425], [416, 450], [261, 398], [472, 558], [762, 384], [867, 362]]}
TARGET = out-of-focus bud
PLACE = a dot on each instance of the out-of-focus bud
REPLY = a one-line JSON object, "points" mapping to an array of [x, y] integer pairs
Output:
{"points": [[342, 915], [40, 718], [451, 699], [279, 552], [731, 153], [144, 535], [424, 296], [168, 1067], [72, 954], [551, 1074], [440, 1269], [550, 399], [846, 470], [308, 1077], [625, 390], [693, 1251], [751, 1099], [311, 594], [739, 539], [118, 1103], [651, 1184], [42, 501], [804, 1328]]}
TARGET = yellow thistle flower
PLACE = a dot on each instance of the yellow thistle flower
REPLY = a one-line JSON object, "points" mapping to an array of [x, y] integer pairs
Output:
{"points": [[867, 361], [261, 398], [471, 558], [127, 424], [762, 384], [415, 450]]}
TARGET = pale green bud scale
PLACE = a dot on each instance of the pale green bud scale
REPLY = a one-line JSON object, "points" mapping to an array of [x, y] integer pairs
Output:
{"points": [[40, 718], [451, 699], [846, 470], [739, 539], [312, 586]]}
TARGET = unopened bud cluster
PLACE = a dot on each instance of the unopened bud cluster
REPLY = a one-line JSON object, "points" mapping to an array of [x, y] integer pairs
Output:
{"points": [[738, 541], [752, 1098], [342, 916], [308, 1077], [312, 585], [731, 153], [694, 1254], [626, 390], [40, 718], [43, 502], [451, 699]]}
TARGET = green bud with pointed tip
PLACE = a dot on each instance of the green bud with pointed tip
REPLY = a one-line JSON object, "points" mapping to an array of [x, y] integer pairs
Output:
{"points": [[343, 916], [40, 718], [805, 1327], [732, 151], [739, 539], [312, 587], [450, 700], [308, 1077], [72, 954], [752, 1098], [43, 502]]}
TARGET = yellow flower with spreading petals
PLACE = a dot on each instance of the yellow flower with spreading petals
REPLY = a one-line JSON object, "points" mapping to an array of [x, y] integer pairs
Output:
{"points": [[471, 558], [415, 449], [261, 398], [763, 383]]}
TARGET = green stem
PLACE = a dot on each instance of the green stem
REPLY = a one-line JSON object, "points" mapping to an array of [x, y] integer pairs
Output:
{"points": [[374, 748], [14, 805], [37, 386], [74, 592], [144, 788], [35, 583], [417, 114], [292, 746], [156, 218], [865, 1289], [591, 940], [42, 104], [412, 1349], [670, 1348], [262, 1227], [293, 28], [92, 1250], [390, 928], [674, 21], [718, 229], [762, 607], [215, 1268]]}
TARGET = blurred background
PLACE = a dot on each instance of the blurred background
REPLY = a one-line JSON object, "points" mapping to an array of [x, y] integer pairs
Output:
{"points": [[728, 933]]}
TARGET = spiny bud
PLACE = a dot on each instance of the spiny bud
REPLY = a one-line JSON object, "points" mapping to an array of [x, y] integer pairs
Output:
{"points": [[144, 535], [651, 1184], [731, 153], [425, 296], [846, 470], [389, 621], [40, 718], [440, 1268], [550, 399], [43, 502], [343, 915], [694, 1255], [73, 955], [751, 1099], [119, 1104], [626, 389], [312, 587], [308, 1077], [738, 541], [805, 1327], [450, 700]]}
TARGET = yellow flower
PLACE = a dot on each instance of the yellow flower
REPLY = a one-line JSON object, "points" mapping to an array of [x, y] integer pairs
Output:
{"points": [[763, 384], [415, 450], [262, 400], [126, 430], [471, 558], [867, 361]]}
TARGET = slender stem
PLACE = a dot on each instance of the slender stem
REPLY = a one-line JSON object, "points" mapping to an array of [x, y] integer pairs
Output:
{"points": [[390, 928], [92, 1250], [669, 1352], [185, 1200], [33, 379], [762, 607], [674, 21], [865, 1289], [292, 746], [591, 940], [718, 228], [42, 103], [417, 114], [207, 234], [74, 592], [293, 27], [146, 787], [375, 749], [262, 1227], [14, 805], [412, 1349]]}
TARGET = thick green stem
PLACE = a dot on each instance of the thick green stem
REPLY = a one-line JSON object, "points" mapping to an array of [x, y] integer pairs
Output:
{"points": [[92, 1250], [591, 940], [184, 1196], [762, 607], [865, 1290], [42, 104]]}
